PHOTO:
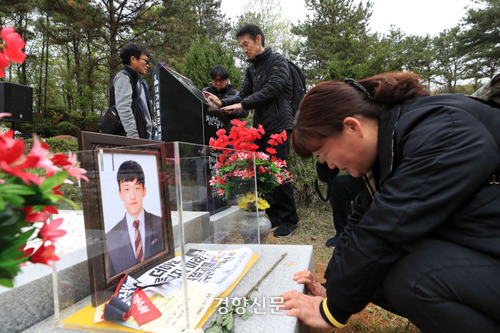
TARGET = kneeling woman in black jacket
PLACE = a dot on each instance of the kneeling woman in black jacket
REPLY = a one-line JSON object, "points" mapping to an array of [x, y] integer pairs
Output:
{"points": [[423, 240]]}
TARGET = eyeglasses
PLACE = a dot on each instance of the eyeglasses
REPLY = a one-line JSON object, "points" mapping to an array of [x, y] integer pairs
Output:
{"points": [[145, 60]]}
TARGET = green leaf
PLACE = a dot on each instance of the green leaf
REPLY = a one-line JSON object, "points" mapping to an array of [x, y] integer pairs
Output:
{"points": [[226, 320], [20, 189], [230, 324], [15, 200], [70, 202], [13, 265], [54, 181], [6, 283], [54, 198], [213, 329]]}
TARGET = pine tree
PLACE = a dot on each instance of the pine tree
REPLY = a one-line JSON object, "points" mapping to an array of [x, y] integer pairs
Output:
{"points": [[480, 38], [205, 55], [336, 40]]}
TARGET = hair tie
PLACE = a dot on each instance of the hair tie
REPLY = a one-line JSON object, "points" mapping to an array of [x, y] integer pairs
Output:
{"points": [[360, 87]]}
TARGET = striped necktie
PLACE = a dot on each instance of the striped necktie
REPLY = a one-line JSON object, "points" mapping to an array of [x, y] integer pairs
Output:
{"points": [[139, 253]]}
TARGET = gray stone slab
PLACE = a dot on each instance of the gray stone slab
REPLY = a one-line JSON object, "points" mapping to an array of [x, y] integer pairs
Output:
{"points": [[32, 299], [194, 224], [280, 280]]}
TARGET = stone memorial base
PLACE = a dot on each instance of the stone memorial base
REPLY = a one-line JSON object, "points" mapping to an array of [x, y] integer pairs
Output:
{"points": [[29, 307], [266, 317]]}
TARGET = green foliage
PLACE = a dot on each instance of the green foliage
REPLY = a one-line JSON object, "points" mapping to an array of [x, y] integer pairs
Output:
{"points": [[70, 66], [90, 121], [334, 35], [44, 128], [62, 146], [225, 321], [304, 174], [205, 55], [55, 145], [211, 22], [480, 38], [67, 128], [417, 55], [449, 60], [268, 15], [72, 192], [171, 28]]}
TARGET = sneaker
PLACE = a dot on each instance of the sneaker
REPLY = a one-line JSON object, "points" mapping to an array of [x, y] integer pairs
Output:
{"points": [[332, 242], [285, 230]]}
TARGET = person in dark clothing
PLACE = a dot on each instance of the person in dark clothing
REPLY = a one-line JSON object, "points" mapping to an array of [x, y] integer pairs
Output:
{"points": [[341, 191], [423, 238], [222, 88], [267, 89], [131, 93]]}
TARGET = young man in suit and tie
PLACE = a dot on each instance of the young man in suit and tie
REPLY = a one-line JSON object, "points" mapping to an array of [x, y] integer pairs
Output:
{"points": [[139, 235]]}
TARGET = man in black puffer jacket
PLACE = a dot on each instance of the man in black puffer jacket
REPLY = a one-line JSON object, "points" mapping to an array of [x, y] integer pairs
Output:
{"points": [[267, 89]]}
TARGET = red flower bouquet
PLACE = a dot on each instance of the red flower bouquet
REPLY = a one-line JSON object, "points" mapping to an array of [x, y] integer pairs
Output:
{"points": [[240, 162], [29, 193]]}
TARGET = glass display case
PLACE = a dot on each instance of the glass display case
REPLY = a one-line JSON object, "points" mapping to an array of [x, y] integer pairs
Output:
{"points": [[157, 235]]}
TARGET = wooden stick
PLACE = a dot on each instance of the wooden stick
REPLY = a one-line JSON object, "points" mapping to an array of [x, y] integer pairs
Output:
{"points": [[265, 275]]}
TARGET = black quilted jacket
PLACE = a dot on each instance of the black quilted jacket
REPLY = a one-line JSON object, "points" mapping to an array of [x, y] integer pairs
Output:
{"points": [[435, 159], [267, 89]]}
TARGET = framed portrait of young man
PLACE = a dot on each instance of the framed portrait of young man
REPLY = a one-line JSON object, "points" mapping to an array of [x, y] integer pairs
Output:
{"points": [[126, 209]]}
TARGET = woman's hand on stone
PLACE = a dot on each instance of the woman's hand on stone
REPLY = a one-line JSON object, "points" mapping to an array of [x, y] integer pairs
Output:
{"points": [[306, 277]]}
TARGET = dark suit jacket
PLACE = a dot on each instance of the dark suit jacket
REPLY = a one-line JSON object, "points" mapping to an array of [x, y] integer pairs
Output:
{"points": [[121, 253]]}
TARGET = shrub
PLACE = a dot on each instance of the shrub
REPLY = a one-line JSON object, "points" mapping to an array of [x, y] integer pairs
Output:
{"points": [[56, 145], [44, 128], [90, 122], [67, 128], [72, 192], [304, 174]]}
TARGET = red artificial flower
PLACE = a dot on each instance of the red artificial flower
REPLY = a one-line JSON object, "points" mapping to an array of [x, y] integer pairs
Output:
{"points": [[51, 209], [239, 155], [220, 132], [44, 254], [27, 252], [271, 150], [13, 43], [13, 160], [74, 171], [60, 160], [41, 151], [4, 63], [35, 217], [49, 231]]}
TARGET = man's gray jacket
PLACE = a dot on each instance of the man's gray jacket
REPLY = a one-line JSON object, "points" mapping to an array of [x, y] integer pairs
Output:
{"points": [[133, 107]]}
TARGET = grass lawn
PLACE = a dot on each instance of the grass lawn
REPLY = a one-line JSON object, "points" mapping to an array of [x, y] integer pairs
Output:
{"points": [[315, 227]]}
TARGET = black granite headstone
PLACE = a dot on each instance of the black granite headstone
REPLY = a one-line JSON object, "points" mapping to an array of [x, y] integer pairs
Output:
{"points": [[183, 114]]}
